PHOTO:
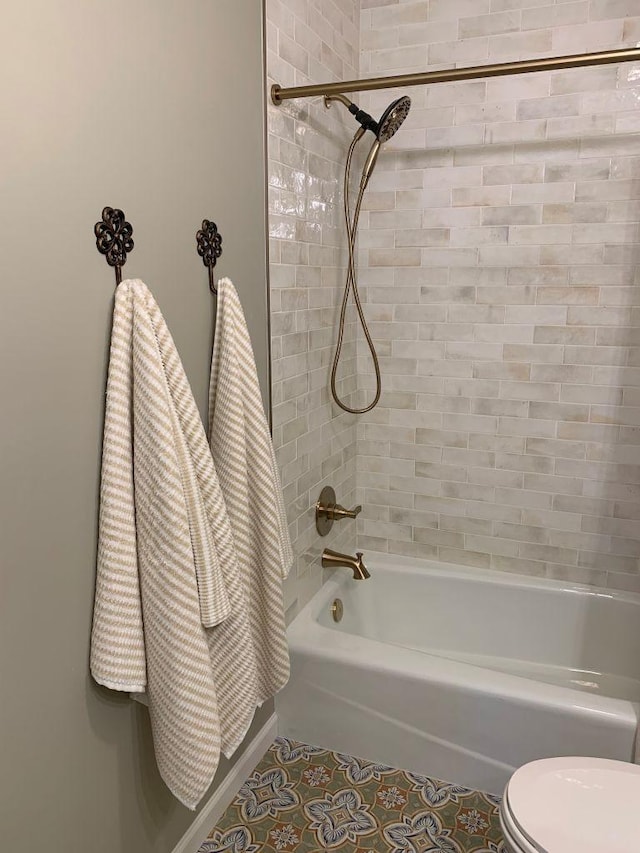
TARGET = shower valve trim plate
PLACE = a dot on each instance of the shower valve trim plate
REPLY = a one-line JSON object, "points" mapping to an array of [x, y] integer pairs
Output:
{"points": [[328, 511]]}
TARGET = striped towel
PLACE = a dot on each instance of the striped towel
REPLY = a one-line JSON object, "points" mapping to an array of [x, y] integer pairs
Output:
{"points": [[245, 461], [170, 613]]}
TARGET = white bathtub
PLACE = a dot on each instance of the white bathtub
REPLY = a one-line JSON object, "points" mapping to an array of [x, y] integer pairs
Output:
{"points": [[463, 674]]}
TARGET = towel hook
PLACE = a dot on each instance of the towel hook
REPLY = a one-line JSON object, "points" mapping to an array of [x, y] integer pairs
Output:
{"points": [[114, 238], [209, 243]]}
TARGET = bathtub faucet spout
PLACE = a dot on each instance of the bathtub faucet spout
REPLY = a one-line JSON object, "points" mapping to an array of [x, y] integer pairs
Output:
{"points": [[332, 559]]}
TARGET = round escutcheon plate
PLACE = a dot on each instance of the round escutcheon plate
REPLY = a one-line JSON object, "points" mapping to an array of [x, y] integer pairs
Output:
{"points": [[326, 502], [337, 610]]}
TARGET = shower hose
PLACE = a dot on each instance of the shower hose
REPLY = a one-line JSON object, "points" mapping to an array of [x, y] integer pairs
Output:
{"points": [[352, 282]]}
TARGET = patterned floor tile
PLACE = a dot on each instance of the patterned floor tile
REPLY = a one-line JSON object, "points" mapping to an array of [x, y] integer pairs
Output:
{"points": [[303, 799]]}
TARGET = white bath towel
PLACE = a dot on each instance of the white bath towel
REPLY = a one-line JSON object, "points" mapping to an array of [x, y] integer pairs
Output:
{"points": [[170, 614], [245, 461]]}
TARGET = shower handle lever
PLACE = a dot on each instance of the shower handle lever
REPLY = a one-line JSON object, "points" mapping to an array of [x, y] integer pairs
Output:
{"points": [[337, 512]]}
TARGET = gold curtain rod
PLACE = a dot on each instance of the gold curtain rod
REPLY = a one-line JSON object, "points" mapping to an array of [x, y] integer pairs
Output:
{"points": [[578, 60]]}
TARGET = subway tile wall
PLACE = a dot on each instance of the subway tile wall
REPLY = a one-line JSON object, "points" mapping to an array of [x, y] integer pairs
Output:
{"points": [[310, 41], [500, 264]]}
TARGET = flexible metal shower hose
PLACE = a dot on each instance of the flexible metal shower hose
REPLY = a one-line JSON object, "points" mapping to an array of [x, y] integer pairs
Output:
{"points": [[352, 232]]}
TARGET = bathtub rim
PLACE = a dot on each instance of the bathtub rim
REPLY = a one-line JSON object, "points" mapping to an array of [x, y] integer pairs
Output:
{"points": [[307, 635], [415, 565]]}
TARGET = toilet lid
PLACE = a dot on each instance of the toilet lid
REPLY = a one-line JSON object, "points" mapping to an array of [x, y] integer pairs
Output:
{"points": [[577, 805]]}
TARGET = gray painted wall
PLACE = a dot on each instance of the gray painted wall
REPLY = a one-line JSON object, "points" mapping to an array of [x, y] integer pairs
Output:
{"points": [[135, 105]]}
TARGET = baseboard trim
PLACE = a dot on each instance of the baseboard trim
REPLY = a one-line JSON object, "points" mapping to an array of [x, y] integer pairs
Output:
{"points": [[215, 807]]}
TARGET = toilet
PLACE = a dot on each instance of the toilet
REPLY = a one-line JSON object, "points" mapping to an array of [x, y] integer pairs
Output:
{"points": [[572, 805]]}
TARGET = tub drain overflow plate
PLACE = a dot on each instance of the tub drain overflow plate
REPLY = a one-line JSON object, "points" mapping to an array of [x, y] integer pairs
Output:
{"points": [[337, 610]]}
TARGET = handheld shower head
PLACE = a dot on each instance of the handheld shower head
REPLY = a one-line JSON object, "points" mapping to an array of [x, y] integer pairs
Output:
{"points": [[389, 124], [390, 120]]}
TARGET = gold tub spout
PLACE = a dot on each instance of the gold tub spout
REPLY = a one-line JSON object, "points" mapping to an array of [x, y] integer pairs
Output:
{"points": [[332, 559]]}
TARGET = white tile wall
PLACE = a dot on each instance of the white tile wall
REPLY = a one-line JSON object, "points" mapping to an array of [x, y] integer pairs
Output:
{"points": [[499, 257], [309, 41], [500, 262]]}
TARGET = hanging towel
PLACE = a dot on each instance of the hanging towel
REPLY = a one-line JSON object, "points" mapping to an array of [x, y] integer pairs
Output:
{"points": [[246, 464], [170, 609]]}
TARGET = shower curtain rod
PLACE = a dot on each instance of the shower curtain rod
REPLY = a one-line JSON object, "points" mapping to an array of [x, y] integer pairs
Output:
{"points": [[578, 60]]}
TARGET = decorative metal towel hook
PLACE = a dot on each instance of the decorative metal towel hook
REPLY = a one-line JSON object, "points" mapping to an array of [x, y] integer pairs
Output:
{"points": [[114, 239], [209, 243]]}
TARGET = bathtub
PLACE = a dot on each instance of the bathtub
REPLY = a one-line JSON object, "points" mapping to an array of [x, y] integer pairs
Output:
{"points": [[463, 674]]}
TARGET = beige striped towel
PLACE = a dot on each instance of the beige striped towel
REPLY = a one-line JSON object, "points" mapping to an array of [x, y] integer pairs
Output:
{"points": [[166, 557], [245, 461]]}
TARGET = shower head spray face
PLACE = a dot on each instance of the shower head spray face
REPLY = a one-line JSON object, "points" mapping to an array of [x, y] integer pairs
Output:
{"points": [[392, 118]]}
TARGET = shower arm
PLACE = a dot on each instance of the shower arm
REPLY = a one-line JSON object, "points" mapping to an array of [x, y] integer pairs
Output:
{"points": [[338, 96], [366, 121]]}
